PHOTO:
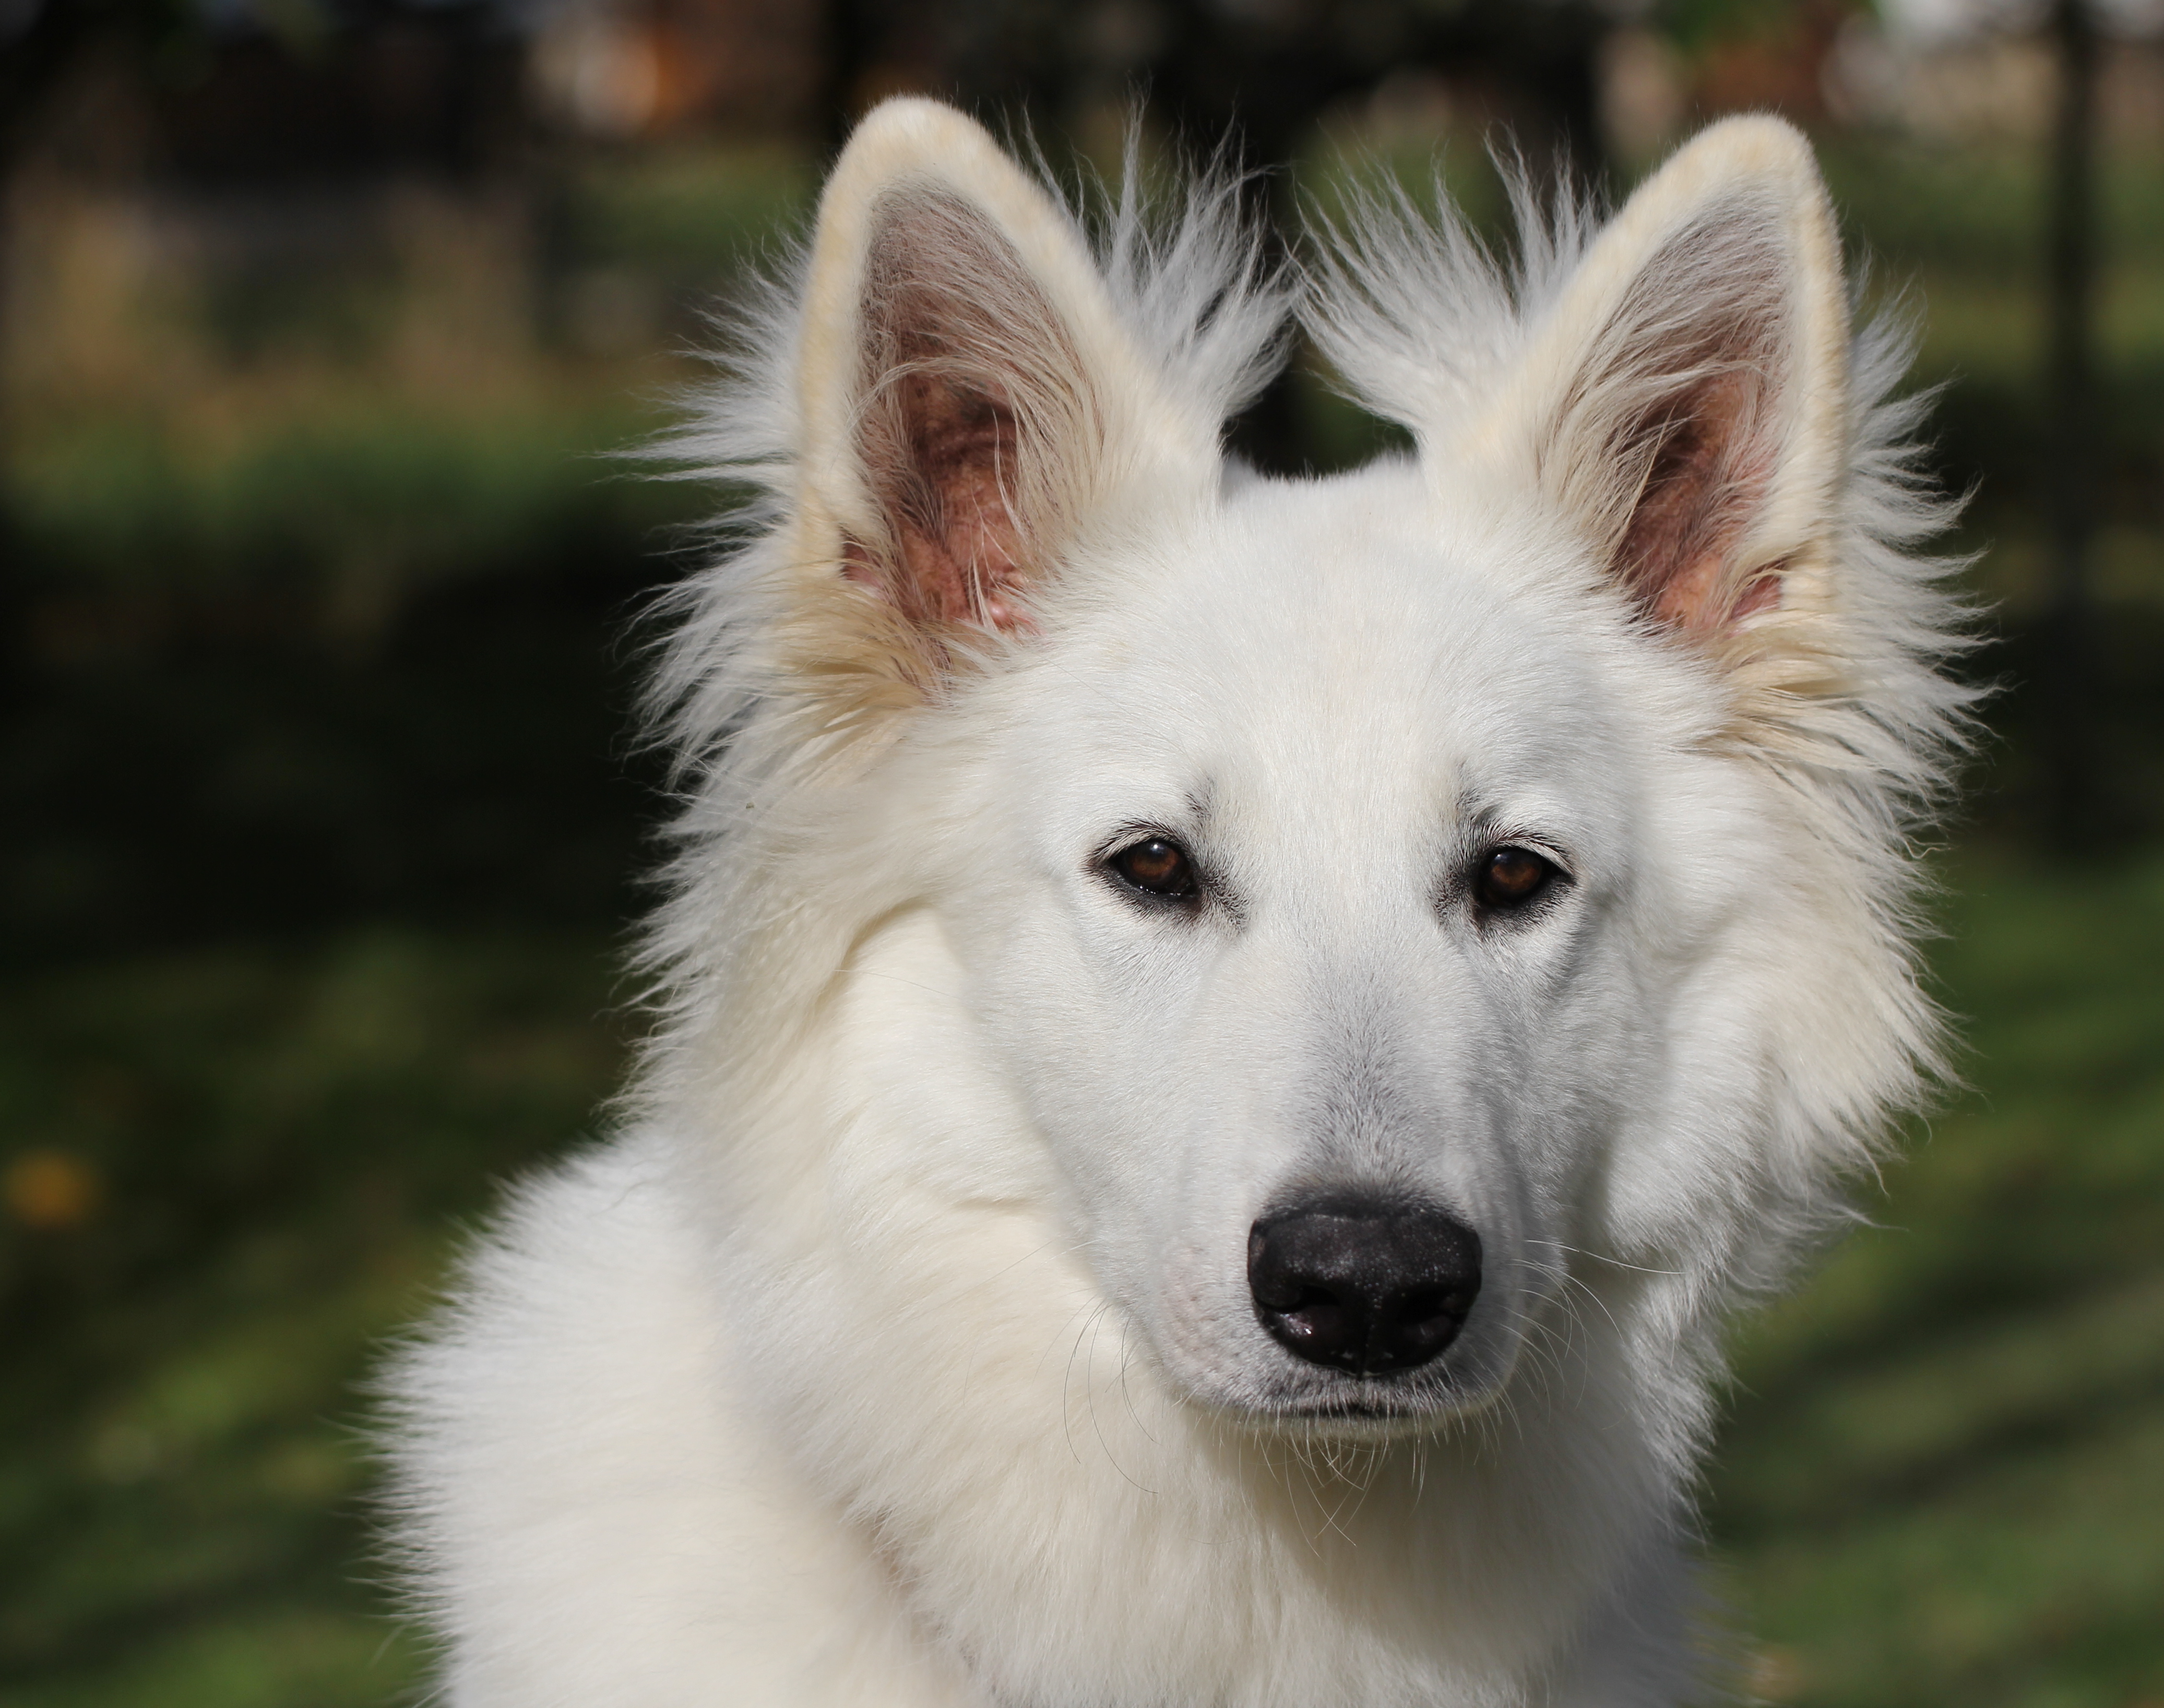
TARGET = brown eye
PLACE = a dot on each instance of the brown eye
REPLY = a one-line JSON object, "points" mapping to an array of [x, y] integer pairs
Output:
{"points": [[1509, 877], [1157, 866]]}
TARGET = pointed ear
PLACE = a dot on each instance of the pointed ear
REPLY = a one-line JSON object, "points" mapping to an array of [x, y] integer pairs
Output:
{"points": [[967, 395], [1688, 394]]}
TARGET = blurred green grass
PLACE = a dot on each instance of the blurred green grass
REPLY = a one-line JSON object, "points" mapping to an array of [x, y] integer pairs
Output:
{"points": [[270, 1149], [1945, 1477]]}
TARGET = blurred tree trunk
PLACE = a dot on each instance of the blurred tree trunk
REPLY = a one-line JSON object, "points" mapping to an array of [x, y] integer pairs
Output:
{"points": [[31, 61], [2075, 443], [847, 59], [48, 40]]}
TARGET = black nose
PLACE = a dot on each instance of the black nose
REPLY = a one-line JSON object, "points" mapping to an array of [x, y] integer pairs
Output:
{"points": [[1363, 1286]]}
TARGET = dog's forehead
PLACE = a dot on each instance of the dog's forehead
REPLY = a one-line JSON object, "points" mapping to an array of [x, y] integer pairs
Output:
{"points": [[1352, 629]]}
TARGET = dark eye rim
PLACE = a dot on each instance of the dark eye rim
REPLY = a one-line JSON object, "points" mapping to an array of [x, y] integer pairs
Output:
{"points": [[1135, 836], [1553, 881]]}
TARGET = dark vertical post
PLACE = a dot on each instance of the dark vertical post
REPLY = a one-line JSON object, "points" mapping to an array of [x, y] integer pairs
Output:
{"points": [[848, 54], [2075, 441], [1567, 69], [1268, 433], [36, 49]]}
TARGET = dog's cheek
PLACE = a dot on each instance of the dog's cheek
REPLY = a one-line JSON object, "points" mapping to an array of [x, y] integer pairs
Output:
{"points": [[1060, 1030], [1152, 1138]]}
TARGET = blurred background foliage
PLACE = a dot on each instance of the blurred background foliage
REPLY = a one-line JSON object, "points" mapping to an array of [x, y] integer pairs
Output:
{"points": [[321, 321]]}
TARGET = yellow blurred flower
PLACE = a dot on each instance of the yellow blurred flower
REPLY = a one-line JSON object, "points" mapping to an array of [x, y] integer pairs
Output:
{"points": [[50, 1189]]}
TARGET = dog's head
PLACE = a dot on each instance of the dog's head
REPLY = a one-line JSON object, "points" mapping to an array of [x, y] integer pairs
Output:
{"points": [[1418, 911]]}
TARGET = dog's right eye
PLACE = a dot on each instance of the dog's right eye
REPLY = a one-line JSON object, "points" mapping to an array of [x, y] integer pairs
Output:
{"points": [[1157, 866], [1508, 877]]}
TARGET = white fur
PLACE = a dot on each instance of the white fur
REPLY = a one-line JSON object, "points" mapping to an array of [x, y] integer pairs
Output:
{"points": [[899, 1351]]}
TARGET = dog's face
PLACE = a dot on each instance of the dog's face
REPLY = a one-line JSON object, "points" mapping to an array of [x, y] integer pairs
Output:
{"points": [[1332, 861], [1314, 950]]}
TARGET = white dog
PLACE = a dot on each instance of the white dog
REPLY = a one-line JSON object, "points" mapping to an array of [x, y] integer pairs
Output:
{"points": [[1227, 1043]]}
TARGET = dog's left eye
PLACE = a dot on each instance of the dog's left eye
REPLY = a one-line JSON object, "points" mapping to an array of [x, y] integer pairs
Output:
{"points": [[1511, 877], [1157, 866]]}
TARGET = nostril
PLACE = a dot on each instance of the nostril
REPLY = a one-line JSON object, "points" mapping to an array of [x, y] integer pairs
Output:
{"points": [[1280, 1295], [1362, 1285], [1424, 1304]]}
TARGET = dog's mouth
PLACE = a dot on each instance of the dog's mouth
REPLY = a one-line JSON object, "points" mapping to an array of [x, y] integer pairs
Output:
{"points": [[1365, 1404], [1282, 1393], [1384, 1401], [1380, 1408], [1357, 1411]]}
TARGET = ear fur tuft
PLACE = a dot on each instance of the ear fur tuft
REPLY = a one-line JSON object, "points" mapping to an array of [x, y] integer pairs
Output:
{"points": [[1682, 386], [1688, 390], [975, 384], [789, 646]]}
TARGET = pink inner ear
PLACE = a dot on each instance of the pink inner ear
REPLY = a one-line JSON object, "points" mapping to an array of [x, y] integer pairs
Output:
{"points": [[1710, 471], [959, 545], [970, 387]]}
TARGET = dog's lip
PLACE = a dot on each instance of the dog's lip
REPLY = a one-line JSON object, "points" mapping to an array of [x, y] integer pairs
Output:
{"points": [[1350, 1420], [1378, 1408], [1365, 1400], [1356, 1411]]}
